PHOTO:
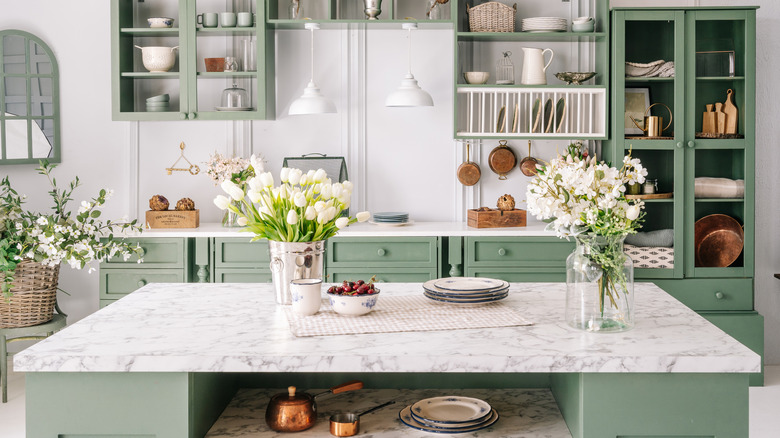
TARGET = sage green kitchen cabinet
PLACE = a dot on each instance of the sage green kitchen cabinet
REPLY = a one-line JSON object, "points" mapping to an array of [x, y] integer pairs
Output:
{"points": [[165, 260], [239, 260], [517, 259], [391, 259], [342, 12], [194, 93], [516, 111], [681, 154]]}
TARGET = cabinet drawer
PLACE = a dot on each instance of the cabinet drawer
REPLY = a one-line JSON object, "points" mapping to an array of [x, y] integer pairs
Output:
{"points": [[158, 252], [386, 275], [711, 294], [527, 251], [233, 275], [239, 252], [117, 282], [528, 275], [397, 251]]}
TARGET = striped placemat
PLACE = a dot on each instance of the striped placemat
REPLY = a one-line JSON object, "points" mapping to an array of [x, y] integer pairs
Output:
{"points": [[405, 314]]}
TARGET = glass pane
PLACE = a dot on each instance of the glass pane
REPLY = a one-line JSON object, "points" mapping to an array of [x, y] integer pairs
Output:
{"points": [[39, 60], [40, 97], [16, 138], [42, 137], [14, 61], [15, 96]]}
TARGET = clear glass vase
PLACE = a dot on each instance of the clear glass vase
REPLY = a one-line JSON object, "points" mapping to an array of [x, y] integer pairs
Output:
{"points": [[600, 285], [230, 218]]}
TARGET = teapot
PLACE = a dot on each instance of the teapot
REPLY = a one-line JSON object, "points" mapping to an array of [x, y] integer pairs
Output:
{"points": [[534, 68]]}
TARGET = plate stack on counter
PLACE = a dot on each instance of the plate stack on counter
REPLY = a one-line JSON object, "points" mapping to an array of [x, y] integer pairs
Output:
{"points": [[449, 414], [466, 290], [544, 24], [391, 218]]}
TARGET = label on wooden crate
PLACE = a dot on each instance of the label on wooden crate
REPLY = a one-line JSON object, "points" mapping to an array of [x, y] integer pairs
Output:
{"points": [[489, 218], [173, 219]]}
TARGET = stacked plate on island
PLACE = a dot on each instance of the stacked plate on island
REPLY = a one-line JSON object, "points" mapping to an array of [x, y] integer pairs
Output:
{"points": [[466, 290], [449, 414], [391, 218]]}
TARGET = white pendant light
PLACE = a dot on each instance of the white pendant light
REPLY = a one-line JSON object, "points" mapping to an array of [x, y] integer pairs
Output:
{"points": [[409, 93], [312, 101]]}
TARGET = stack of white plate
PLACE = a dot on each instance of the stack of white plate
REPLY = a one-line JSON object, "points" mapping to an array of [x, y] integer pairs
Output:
{"points": [[391, 218], [466, 290], [544, 24], [449, 414]]}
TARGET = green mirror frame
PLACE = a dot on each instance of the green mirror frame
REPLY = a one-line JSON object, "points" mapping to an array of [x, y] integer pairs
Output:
{"points": [[29, 99]]}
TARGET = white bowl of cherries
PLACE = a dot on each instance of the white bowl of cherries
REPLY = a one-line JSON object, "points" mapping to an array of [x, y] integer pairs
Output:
{"points": [[353, 298]]}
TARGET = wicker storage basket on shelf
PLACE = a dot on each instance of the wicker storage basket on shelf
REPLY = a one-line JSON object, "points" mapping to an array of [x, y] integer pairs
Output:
{"points": [[492, 17], [34, 293]]}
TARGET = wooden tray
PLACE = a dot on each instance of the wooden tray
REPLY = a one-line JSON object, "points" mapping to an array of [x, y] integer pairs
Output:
{"points": [[173, 219], [718, 136], [651, 196], [644, 137], [490, 218]]}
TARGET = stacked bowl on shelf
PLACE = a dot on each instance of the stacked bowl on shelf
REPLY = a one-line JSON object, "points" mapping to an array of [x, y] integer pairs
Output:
{"points": [[544, 24], [466, 290], [449, 414], [158, 103]]}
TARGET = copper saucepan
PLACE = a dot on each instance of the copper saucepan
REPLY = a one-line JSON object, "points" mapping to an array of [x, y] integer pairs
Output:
{"points": [[293, 412], [528, 164], [348, 423], [469, 171]]}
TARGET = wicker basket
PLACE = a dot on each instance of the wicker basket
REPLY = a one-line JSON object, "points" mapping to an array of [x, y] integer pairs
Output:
{"points": [[492, 17], [34, 293]]}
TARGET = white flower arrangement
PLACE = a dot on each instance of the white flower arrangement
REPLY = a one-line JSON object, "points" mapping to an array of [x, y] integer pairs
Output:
{"points": [[306, 207], [581, 195], [220, 168]]}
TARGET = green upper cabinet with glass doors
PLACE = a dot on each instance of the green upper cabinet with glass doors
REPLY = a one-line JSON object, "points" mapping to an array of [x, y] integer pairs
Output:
{"points": [[193, 92], [712, 51], [289, 14]]}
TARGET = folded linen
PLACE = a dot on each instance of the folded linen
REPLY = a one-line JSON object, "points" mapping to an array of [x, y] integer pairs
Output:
{"points": [[705, 187], [660, 69], [658, 238]]}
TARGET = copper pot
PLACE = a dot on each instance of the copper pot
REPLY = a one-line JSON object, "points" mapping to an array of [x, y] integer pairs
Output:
{"points": [[718, 240], [502, 160], [348, 423], [293, 412]]}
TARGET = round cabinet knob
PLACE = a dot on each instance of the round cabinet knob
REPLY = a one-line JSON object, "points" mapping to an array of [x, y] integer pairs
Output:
{"points": [[183, 116], [380, 252], [691, 144], [141, 283], [501, 251], [719, 295], [141, 252], [192, 115], [679, 145]]}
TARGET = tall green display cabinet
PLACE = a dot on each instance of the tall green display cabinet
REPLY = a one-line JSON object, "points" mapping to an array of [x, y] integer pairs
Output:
{"points": [[194, 92], [713, 51]]}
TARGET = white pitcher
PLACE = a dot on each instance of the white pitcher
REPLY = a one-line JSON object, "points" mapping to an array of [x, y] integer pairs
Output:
{"points": [[534, 68]]}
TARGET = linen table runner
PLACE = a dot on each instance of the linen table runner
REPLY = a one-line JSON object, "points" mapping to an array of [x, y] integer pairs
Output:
{"points": [[405, 314]]}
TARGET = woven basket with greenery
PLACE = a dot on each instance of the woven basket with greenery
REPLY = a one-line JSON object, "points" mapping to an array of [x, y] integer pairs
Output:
{"points": [[34, 293]]}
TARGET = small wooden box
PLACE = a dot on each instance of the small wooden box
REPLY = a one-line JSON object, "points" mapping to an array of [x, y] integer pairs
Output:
{"points": [[173, 219], [496, 218]]}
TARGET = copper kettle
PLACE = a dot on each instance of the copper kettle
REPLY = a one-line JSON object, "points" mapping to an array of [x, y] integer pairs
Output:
{"points": [[293, 412]]}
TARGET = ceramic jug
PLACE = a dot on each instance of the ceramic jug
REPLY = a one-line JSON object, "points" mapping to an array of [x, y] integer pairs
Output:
{"points": [[534, 68]]}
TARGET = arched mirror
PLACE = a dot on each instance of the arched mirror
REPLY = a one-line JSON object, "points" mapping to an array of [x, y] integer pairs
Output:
{"points": [[29, 99]]}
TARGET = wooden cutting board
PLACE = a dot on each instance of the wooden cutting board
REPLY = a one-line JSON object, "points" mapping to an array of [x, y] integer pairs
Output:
{"points": [[720, 119], [708, 120], [732, 114]]}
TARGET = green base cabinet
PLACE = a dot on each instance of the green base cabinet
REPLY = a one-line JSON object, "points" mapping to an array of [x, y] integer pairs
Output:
{"points": [[239, 260], [390, 259], [517, 259]]}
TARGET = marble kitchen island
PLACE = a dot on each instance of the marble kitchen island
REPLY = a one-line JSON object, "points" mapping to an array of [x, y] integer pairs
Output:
{"points": [[167, 359]]}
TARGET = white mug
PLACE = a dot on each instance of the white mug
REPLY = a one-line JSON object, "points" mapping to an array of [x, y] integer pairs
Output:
{"points": [[227, 19], [306, 294]]}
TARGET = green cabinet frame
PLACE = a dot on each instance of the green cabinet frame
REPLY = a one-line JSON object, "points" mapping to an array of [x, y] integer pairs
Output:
{"points": [[128, 70]]}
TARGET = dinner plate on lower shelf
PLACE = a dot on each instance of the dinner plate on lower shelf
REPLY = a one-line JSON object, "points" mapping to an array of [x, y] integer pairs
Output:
{"points": [[406, 417], [451, 409]]}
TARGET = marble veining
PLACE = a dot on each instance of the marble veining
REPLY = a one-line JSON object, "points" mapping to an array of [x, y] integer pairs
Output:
{"points": [[524, 413], [239, 328]]}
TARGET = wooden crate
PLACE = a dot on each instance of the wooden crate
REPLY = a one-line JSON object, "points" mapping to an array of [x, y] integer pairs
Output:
{"points": [[173, 219], [490, 218]]}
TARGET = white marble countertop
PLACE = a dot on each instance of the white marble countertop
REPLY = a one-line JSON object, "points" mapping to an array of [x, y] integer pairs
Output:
{"points": [[532, 229], [239, 328]]}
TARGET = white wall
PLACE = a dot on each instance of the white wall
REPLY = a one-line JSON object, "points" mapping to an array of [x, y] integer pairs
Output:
{"points": [[406, 157]]}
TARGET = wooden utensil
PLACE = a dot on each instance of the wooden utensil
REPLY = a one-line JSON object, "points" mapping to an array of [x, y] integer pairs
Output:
{"points": [[469, 171], [528, 164], [720, 118], [502, 160], [708, 120], [732, 114]]}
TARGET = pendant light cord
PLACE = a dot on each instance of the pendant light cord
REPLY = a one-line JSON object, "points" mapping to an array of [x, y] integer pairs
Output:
{"points": [[410, 50], [312, 55]]}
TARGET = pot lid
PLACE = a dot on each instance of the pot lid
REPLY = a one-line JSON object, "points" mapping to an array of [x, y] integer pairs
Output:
{"points": [[291, 398]]}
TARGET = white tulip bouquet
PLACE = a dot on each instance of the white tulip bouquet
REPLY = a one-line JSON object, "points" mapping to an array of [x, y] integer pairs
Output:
{"points": [[305, 207]]}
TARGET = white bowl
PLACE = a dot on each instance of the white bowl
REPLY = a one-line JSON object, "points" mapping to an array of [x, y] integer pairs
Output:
{"points": [[158, 59], [353, 305], [160, 22], [476, 77], [581, 20]]}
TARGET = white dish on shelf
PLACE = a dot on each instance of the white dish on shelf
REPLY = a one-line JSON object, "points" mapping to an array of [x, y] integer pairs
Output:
{"points": [[233, 108], [392, 224], [468, 284], [452, 410], [406, 417]]}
